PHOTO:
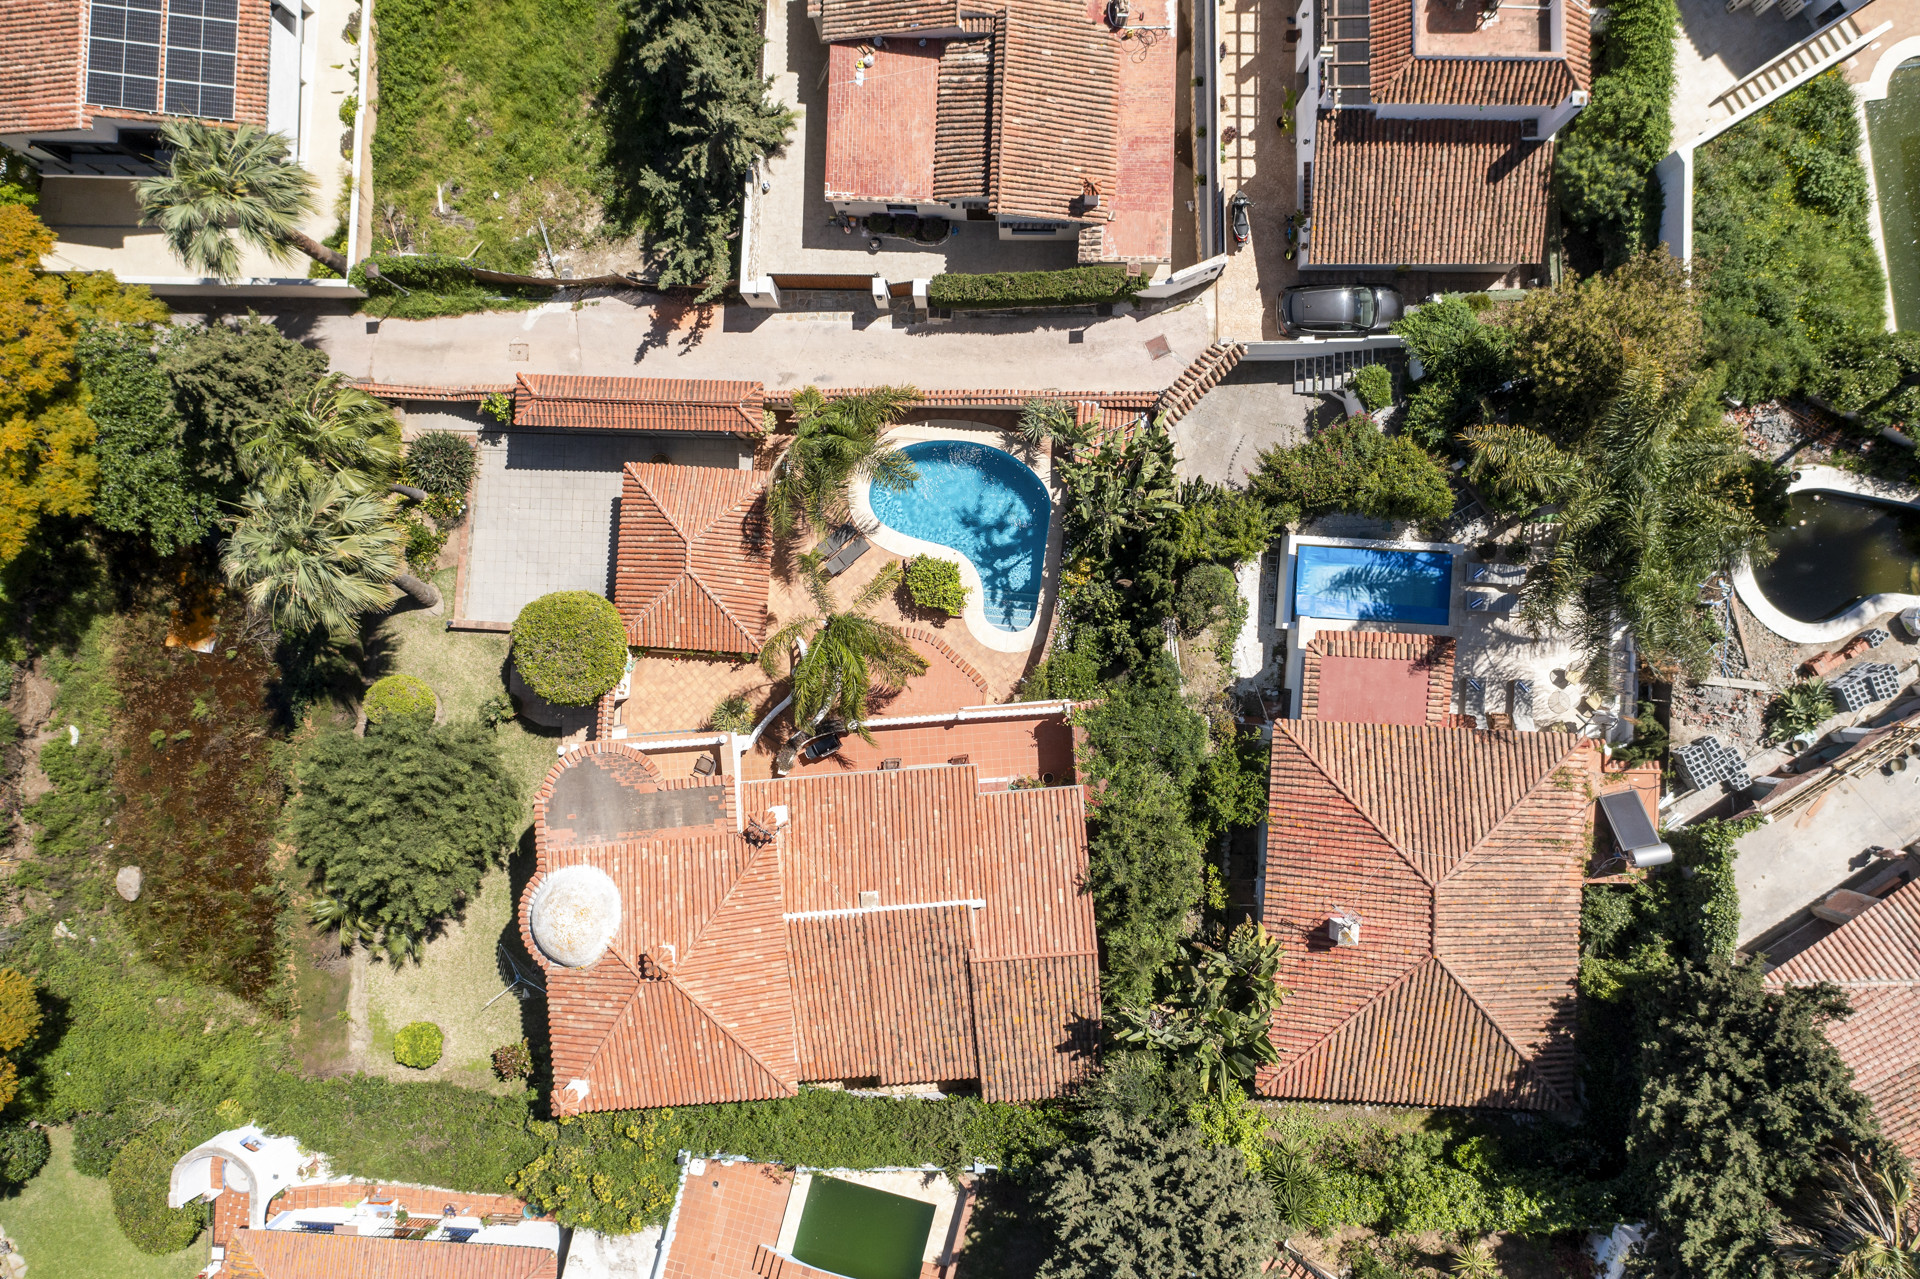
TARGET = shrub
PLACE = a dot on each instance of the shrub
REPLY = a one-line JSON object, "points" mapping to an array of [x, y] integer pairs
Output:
{"points": [[570, 647], [879, 223], [1219, 523], [934, 583], [496, 710], [1207, 595], [97, 1138], [397, 697], [513, 1061], [424, 542], [442, 462], [138, 1182], [733, 715], [1374, 385], [23, 1152], [499, 406], [1351, 466], [418, 1044], [398, 827], [1604, 168], [1063, 673], [1075, 286], [1463, 362]]}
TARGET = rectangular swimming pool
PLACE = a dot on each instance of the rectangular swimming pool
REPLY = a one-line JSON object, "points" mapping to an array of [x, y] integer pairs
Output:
{"points": [[861, 1232], [1370, 584]]}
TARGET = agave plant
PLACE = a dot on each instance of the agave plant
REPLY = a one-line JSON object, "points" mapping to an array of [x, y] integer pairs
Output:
{"points": [[1800, 709], [1474, 1260]]}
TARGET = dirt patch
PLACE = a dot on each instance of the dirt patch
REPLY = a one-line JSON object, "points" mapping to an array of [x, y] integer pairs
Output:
{"points": [[322, 976]]}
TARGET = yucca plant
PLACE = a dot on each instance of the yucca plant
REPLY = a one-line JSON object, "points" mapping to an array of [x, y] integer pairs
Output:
{"points": [[1474, 1260], [1297, 1185]]}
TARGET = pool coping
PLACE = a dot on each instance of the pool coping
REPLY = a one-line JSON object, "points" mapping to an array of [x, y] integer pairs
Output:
{"points": [[1829, 479], [1301, 630], [965, 431]]}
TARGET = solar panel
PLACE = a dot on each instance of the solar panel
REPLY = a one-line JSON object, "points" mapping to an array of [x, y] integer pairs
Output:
{"points": [[123, 54], [201, 38]]}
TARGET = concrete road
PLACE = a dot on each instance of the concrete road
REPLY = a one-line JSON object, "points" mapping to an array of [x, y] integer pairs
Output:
{"points": [[642, 335], [1787, 866]]}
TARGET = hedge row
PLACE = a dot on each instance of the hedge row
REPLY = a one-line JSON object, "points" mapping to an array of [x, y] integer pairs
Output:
{"points": [[1604, 168], [1075, 286], [415, 286]]}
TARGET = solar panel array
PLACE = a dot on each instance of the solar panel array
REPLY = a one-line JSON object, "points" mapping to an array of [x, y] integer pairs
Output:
{"points": [[126, 48]]}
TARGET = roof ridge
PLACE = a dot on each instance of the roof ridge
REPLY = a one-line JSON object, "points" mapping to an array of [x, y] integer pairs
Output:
{"points": [[1526, 1058], [1405, 976], [720, 604], [770, 848], [1481, 848], [1359, 809], [636, 470], [673, 983]]}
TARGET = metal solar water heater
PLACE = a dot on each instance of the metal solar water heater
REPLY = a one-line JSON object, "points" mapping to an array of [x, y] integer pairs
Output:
{"points": [[1640, 844]]}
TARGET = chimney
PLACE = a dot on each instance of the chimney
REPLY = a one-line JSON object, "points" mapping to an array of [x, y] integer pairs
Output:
{"points": [[870, 899], [1343, 929]]}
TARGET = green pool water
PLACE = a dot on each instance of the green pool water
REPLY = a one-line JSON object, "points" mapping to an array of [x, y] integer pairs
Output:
{"points": [[861, 1232], [1893, 135]]}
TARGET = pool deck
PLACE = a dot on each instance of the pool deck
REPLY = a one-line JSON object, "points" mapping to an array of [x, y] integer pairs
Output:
{"points": [[1830, 479]]}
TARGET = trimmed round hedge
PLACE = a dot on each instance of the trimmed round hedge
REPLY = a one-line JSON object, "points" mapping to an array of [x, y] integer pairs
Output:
{"points": [[418, 1044], [570, 647], [23, 1152], [139, 1184], [398, 697]]}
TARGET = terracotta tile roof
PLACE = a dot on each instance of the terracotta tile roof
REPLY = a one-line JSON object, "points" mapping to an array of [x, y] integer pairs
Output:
{"points": [[1147, 74], [1875, 959], [637, 404], [740, 969], [42, 65], [1378, 677], [1398, 76], [963, 122], [864, 19], [413, 391], [1055, 98], [1462, 852], [880, 126], [1428, 193], [1130, 402], [693, 564], [286, 1254]]}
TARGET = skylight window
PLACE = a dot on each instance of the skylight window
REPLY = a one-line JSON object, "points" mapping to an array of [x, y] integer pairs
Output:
{"points": [[123, 54]]}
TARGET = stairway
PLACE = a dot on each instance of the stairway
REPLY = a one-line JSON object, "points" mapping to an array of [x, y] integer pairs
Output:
{"points": [[1331, 372], [1788, 70]]}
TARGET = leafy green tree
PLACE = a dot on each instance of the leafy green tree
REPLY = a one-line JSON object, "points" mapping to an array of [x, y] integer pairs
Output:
{"points": [[1741, 1096], [1226, 525], [138, 1183], [1119, 490], [1351, 466], [147, 483], [314, 556], [227, 375], [835, 657], [230, 186], [687, 116], [1134, 1201], [1212, 1009], [399, 826], [570, 647], [835, 442], [1604, 165], [333, 430], [1463, 361]]}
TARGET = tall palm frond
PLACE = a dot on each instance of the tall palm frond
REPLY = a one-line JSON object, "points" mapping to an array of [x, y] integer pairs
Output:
{"points": [[335, 428], [1519, 467], [226, 187], [836, 658], [837, 441], [313, 556], [1859, 1225]]}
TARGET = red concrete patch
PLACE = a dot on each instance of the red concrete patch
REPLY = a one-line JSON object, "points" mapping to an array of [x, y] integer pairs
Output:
{"points": [[1373, 690]]}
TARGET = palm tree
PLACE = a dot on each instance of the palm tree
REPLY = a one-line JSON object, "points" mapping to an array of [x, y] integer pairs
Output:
{"points": [[1045, 421], [313, 556], [836, 442], [833, 657], [1119, 489], [227, 185], [335, 429], [1860, 1225]]}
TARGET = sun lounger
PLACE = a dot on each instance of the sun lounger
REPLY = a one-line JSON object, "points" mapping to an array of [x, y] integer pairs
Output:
{"points": [[1520, 704], [843, 559], [1474, 702]]}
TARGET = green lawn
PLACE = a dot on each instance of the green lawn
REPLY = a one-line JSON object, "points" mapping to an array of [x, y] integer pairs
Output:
{"points": [[64, 1225]]}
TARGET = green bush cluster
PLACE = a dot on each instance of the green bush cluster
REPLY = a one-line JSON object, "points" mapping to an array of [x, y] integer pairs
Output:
{"points": [[1374, 385], [1074, 286], [570, 647], [1795, 298], [419, 286], [139, 1181], [399, 697], [23, 1152], [1352, 466], [442, 463], [418, 1044], [934, 584], [1604, 165], [1208, 594], [512, 1061]]}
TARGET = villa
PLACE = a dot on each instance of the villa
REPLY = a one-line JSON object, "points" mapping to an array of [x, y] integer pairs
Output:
{"points": [[1426, 130], [278, 1214], [709, 939], [86, 85]]}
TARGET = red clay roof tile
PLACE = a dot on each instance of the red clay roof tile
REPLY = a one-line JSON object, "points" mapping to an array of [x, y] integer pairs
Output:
{"points": [[1462, 853], [864, 19], [694, 562], [880, 124], [638, 404], [1397, 75], [286, 1254], [1379, 677]]}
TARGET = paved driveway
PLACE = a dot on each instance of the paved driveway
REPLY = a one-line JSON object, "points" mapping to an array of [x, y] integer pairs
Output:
{"points": [[1787, 865], [546, 511]]}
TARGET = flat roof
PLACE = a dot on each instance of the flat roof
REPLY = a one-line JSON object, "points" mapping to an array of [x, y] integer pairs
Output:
{"points": [[1373, 690], [881, 119]]}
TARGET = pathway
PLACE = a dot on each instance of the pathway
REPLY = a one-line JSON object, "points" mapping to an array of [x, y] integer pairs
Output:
{"points": [[1256, 71], [643, 335]]}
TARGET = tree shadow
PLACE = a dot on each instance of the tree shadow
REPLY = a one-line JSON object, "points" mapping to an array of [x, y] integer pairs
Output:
{"points": [[514, 961], [1004, 1234]]}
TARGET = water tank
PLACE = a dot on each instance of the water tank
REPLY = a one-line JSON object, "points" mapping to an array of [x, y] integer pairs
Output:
{"points": [[574, 914], [1650, 855]]}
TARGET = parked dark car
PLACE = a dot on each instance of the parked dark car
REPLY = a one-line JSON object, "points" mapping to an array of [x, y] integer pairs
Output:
{"points": [[1340, 308]]}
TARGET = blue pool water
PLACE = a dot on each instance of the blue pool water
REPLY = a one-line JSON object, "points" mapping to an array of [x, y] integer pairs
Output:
{"points": [[1367, 584], [988, 506]]}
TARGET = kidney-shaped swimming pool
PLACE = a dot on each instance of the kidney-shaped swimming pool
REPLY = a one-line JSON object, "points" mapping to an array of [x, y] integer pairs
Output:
{"points": [[987, 505]]}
